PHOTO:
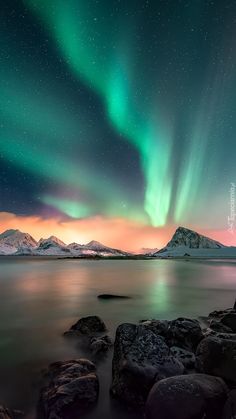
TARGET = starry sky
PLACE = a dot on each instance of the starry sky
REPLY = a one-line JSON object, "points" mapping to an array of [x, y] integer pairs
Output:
{"points": [[117, 118]]}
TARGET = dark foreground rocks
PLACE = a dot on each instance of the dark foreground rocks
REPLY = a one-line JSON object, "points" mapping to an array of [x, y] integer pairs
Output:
{"points": [[230, 406], [10, 414], [5, 413], [217, 356], [182, 332], [87, 326], [194, 396], [73, 386], [178, 369], [101, 344], [141, 357]]}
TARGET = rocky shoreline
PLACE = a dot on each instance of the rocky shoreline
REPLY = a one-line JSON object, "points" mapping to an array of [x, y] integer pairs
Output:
{"points": [[169, 369]]}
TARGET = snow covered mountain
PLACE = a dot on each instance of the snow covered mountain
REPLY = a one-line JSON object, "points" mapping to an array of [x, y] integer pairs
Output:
{"points": [[13, 240], [51, 246], [148, 251], [186, 242], [94, 248]]}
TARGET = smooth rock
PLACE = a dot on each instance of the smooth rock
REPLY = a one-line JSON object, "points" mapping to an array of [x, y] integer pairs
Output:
{"points": [[88, 325], [100, 344], [186, 357], [185, 333], [140, 358], [73, 386], [229, 411], [193, 396], [217, 357]]}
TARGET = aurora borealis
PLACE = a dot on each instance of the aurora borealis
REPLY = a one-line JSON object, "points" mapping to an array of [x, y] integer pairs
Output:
{"points": [[118, 110]]}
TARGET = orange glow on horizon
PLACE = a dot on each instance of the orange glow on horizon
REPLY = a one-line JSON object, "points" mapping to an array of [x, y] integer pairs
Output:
{"points": [[114, 232]]}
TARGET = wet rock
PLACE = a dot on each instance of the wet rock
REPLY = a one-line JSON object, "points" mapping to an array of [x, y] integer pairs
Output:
{"points": [[5, 413], [209, 332], [217, 356], [87, 326], [218, 314], [185, 333], [186, 357], [229, 411], [229, 320], [73, 386], [218, 326], [140, 358], [101, 344], [112, 296], [193, 396], [159, 327]]}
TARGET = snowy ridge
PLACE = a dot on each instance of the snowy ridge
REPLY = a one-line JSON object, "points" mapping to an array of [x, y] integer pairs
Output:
{"points": [[14, 242]]}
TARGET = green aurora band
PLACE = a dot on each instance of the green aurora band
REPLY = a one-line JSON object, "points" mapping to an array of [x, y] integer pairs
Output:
{"points": [[173, 118], [111, 75]]}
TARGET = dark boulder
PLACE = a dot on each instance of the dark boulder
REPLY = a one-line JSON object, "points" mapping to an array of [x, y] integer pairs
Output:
{"points": [[140, 358], [100, 345], [229, 320], [185, 333], [73, 386], [218, 314], [112, 296], [88, 325], [219, 326], [159, 327], [10, 414], [186, 357], [229, 411], [5, 413], [193, 396], [217, 356]]}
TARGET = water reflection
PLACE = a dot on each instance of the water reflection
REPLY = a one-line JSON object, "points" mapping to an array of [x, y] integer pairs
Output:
{"points": [[40, 299]]}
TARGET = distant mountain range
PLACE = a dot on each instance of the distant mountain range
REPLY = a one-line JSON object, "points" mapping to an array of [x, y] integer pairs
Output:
{"points": [[184, 243], [14, 242]]}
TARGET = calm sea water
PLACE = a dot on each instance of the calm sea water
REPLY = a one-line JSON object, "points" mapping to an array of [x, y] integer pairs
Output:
{"points": [[42, 298]]}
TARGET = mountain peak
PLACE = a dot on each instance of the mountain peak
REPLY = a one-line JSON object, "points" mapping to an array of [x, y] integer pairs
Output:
{"points": [[8, 233], [11, 240], [185, 237], [94, 243]]}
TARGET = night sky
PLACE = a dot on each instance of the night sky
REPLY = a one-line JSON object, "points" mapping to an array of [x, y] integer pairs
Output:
{"points": [[119, 112]]}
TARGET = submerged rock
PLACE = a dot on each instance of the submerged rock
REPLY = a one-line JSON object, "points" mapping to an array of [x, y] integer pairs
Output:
{"points": [[112, 296], [87, 326], [217, 356], [140, 358], [73, 385], [193, 396]]}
